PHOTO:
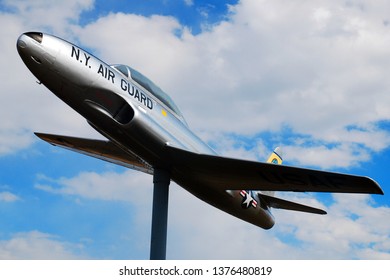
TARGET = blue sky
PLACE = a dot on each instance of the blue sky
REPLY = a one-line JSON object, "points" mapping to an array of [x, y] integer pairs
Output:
{"points": [[248, 76]]}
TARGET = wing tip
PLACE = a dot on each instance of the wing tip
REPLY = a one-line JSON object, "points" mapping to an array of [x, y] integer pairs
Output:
{"points": [[376, 188], [44, 136], [55, 140], [322, 212], [38, 134]]}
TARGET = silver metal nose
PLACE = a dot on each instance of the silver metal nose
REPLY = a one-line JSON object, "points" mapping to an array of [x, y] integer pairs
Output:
{"points": [[21, 44], [29, 46]]}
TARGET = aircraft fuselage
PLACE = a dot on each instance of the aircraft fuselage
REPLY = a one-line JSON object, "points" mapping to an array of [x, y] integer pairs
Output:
{"points": [[128, 114]]}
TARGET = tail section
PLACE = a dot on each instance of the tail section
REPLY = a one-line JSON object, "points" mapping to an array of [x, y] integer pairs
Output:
{"points": [[275, 158], [268, 198], [279, 203], [249, 197], [254, 205]]}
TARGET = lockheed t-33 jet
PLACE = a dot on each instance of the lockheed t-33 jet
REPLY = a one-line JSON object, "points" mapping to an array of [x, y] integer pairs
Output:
{"points": [[146, 131]]}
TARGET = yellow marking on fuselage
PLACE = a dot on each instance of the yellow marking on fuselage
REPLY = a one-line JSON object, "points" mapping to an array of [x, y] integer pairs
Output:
{"points": [[163, 112]]}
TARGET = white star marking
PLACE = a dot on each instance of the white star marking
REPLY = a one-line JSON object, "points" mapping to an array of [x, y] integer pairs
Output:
{"points": [[249, 200]]}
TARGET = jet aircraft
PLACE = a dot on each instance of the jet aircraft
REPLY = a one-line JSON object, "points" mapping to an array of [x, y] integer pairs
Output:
{"points": [[146, 131]]}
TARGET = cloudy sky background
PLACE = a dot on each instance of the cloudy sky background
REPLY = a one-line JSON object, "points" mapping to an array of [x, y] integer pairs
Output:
{"points": [[249, 75]]}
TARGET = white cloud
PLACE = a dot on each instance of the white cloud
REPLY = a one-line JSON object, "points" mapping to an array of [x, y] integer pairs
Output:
{"points": [[38, 245], [53, 16], [352, 228], [129, 186], [343, 155], [318, 69], [217, 235], [140, 39], [8, 197], [189, 2]]}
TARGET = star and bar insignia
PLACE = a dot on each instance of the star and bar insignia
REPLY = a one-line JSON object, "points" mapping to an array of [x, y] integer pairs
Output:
{"points": [[247, 200]]}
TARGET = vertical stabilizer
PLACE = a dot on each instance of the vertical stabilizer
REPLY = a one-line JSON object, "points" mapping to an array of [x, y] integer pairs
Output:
{"points": [[275, 158]]}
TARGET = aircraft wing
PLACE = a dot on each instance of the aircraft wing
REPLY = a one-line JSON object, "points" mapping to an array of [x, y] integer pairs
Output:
{"points": [[235, 174], [104, 150]]}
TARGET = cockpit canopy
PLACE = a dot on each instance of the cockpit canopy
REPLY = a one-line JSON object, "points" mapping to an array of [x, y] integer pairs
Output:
{"points": [[150, 86]]}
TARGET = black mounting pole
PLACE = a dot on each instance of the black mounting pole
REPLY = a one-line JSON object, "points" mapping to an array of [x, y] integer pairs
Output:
{"points": [[158, 244]]}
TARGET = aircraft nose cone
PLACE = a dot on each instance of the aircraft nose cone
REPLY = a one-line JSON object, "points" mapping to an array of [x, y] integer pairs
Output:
{"points": [[29, 46], [21, 44], [23, 40]]}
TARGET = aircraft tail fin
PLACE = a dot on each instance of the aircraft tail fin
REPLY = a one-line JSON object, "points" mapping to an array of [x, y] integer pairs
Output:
{"points": [[274, 202], [279, 203], [274, 158]]}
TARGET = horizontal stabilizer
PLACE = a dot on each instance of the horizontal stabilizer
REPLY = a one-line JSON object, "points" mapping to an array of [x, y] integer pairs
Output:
{"points": [[101, 149], [289, 205]]}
